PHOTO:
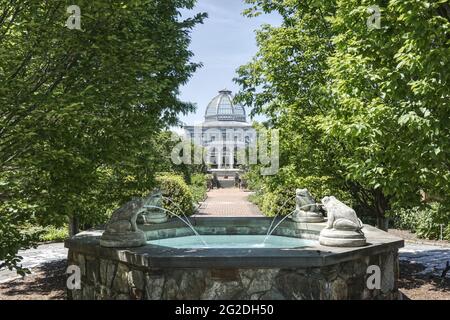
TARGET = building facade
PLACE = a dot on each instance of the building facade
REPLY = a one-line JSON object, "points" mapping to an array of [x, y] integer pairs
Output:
{"points": [[224, 133]]}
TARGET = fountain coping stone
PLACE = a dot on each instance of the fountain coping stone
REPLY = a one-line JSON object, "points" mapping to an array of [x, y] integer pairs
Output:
{"points": [[153, 256]]}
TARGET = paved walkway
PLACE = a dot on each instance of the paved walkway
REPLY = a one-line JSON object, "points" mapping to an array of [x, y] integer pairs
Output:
{"points": [[433, 258], [32, 258], [228, 203]]}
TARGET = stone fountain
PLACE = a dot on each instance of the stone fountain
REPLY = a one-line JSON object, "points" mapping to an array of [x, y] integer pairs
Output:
{"points": [[317, 257]]}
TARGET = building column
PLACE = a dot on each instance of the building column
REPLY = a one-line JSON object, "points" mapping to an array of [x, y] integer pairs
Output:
{"points": [[231, 158]]}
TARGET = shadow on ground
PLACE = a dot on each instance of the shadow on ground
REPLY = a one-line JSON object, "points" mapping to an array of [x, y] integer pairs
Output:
{"points": [[422, 286], [47, 282]]}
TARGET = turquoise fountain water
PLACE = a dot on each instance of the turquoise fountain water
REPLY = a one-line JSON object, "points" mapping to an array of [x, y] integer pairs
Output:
{"points": [[278, 213], [185, 222], [227, 241], [233, 242], [269, 232]]}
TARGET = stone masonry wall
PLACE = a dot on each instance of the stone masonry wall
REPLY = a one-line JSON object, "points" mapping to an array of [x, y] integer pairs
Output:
{"points": [[107, 279]]}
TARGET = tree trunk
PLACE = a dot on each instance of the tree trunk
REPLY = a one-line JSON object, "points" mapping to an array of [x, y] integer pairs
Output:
{"points": [[382, 223], [74, 227], [381, 206]]}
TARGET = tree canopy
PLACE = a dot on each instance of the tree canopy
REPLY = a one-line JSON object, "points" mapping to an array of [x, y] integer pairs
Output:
{"points": [[81, 110], [366, 108]]}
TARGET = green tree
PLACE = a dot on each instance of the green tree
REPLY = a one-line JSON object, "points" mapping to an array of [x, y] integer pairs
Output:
{"points": [[287, 81], [365, 109], [80, 110], [391, 91]]}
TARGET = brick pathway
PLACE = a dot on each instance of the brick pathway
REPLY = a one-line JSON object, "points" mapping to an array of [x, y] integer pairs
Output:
{"points": [[228, 203]]}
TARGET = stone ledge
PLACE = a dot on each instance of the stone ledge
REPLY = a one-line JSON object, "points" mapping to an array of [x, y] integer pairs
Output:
{"points": [[152, 256], [233, 221], [108, 279]]}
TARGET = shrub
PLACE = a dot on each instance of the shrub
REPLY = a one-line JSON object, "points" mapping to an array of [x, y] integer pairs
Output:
{"points": [[255, 198], [48, 233], [254, 180], [424, 221], [271, 193], [323, 186], [174, 188], [52, 233], [198, 180], [280, 202], [198, 187], [289, 179]]}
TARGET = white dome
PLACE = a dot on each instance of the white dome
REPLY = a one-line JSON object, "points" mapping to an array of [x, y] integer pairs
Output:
{"points": [[221, 108]]}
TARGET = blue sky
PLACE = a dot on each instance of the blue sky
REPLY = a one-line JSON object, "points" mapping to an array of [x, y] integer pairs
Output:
{"points": [[224, 42]]}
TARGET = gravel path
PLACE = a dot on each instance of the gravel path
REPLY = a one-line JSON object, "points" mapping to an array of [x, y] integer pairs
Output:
{"points": [[432, 258], [32, 258]]}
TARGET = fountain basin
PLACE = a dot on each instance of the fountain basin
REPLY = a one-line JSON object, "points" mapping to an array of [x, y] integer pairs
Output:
{"points": [[307, 271], [233, 241]]}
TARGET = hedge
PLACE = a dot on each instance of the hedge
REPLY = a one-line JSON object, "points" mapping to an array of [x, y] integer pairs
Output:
{"points": [[175, 188]]}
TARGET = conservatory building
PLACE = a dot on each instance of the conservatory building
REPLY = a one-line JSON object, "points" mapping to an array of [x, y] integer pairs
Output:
{"points": [[224, 133]]}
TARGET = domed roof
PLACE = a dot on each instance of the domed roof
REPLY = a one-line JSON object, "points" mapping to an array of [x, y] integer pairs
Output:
{"points": [[221, 108]]}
